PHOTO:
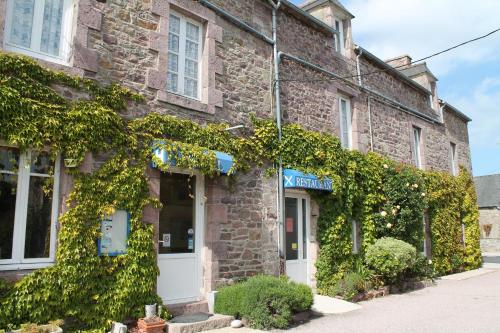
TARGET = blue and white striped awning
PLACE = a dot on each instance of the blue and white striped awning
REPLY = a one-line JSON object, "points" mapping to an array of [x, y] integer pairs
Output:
{"points": [[296, 179], [224, 161]]}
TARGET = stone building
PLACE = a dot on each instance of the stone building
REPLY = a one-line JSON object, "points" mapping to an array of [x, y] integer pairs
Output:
{"points": [[488, 200], [213, 61]]}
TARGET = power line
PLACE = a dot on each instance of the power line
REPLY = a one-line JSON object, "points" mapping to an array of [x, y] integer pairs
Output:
{"points": [[396, 67]]}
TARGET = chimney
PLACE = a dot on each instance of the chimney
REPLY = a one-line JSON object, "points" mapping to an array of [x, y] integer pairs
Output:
{"points": [[401, 62]]}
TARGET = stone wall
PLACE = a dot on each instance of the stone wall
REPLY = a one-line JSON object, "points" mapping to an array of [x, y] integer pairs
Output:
{"points": [[489, 222]]}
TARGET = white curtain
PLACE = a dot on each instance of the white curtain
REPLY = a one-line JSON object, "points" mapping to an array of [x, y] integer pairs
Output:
{"points": [[22, 22], [51, 28]]}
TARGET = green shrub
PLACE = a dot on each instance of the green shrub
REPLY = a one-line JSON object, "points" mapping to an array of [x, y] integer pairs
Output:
{"points": [[390, 258], [265, 301], [5, 287], [422, 269]]}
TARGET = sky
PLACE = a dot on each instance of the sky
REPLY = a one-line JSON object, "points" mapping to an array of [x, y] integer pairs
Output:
{"points": [[469, 77]]}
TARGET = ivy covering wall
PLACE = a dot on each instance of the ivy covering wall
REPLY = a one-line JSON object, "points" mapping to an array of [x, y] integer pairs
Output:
{"points": [[386, 198]]}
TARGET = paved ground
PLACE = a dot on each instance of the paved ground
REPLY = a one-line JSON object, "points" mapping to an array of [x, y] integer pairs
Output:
{"points": [[467, 303]]}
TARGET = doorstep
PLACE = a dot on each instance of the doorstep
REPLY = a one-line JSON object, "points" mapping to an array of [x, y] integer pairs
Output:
{"points": [[180, 309], [214, 322]]}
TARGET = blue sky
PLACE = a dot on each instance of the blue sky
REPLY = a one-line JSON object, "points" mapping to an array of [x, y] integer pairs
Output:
{"points": [[469, 77]]}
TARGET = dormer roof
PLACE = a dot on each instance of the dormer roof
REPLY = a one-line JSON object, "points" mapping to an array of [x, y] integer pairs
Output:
{"points": [[311, 4]]}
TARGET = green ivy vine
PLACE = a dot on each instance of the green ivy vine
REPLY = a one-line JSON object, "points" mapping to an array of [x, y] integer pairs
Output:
{"points": [[384, 197]]}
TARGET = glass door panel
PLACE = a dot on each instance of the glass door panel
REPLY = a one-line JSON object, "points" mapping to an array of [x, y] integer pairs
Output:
{"points": [[177, 216], [291, 229], [9, 161]]}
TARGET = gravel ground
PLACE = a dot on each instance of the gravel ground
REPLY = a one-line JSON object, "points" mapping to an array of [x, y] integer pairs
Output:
{"points": [[470, 305]]}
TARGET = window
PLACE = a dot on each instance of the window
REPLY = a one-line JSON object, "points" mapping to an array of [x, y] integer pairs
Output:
{"points": [[339, 36], [453, 158], [27, 212], [39, 28], [355, 237], [345, 122], [184, 55], [416, 147]]}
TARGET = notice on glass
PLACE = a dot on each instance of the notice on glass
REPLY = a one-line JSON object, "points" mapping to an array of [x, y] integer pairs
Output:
{"points": [[167, 239], [114, 234], [289, 224]]}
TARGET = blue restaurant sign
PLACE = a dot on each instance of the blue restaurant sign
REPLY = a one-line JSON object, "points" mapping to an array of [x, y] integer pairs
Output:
{"points": [[296, 179]]}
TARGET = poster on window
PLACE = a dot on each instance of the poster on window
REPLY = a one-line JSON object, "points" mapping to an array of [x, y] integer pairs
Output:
{"points": [[114, 234]]}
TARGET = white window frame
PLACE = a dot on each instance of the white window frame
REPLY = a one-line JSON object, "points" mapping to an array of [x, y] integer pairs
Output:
{"points": [[453, 158], [417, 143], [339, 36], [348, 144], [356, 244], [181, 55], [34, 49], [24, 173]]}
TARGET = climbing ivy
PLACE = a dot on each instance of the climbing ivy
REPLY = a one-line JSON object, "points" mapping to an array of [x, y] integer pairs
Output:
{"points": [[384, 197]]}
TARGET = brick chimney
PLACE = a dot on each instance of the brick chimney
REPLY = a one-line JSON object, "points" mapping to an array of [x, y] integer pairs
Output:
{"points": [[403, 61]]}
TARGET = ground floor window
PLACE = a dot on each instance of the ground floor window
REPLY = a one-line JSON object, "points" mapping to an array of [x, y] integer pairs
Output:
{"points": [[28, 207]]}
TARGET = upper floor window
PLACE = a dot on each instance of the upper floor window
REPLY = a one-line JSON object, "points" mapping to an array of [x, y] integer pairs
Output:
{"points": [[339, 36], [345, 122], [28, 209], [184, 56], [453, 159], [417, 157], [39, 28]]}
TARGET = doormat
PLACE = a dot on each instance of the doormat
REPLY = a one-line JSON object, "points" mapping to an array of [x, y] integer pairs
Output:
{"points": [[191, 318]]}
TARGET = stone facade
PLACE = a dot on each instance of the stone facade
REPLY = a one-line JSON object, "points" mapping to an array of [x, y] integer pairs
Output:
{"points": [[489, 222], [126, 41]]}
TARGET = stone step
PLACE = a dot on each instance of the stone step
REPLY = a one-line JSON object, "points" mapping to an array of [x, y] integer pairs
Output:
{"points": [[214, 322], [188, 308]]}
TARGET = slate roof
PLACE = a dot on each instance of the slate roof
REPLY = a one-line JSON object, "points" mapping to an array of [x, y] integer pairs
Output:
{"points": [[488, 190]]}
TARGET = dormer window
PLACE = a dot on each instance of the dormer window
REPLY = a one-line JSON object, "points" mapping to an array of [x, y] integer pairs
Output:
{"points": [[339, 36]]}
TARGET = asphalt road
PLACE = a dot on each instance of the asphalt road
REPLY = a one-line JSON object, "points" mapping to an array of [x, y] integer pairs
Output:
{"points": [[470, 305]]}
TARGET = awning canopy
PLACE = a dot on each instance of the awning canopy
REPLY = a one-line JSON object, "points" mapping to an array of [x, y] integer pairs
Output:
{"points": [[224, 161], [296, 179]]}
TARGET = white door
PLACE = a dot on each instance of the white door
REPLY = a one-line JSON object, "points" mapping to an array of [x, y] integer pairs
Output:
{"points": [[297, 237], [180, 237]]}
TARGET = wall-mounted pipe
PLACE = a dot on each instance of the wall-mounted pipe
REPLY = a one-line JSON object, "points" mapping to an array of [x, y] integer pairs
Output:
{"points": [[358, 67], [370, 121]]}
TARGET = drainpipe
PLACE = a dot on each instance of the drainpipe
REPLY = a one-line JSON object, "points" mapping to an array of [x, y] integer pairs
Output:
{"points": [[360, 83], [277, 102], [358, 67]]}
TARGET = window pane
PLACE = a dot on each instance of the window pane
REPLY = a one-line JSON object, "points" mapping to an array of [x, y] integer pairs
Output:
{"points": [[8, 189], [174, 24], [37, 238], [173, 42], [191, 88], [173, 60], [40, 162], [191, 69], [51, 28], [172, 82], [192, 31], [177, 216], [345, 123], [192, 50], [291, 229], [9, 159], [22, 22]]}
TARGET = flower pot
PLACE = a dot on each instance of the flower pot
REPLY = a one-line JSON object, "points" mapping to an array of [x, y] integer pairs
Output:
{"points": [[151, 325]]}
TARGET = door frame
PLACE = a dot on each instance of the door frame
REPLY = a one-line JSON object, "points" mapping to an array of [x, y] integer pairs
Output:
{"points": [[199, 245], [300, 194]]}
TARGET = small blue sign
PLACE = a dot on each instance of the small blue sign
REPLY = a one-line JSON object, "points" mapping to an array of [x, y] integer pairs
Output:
{"points": [[296, 179]]}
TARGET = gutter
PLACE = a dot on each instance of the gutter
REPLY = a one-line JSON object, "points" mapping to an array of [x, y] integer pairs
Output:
{"points": [[459, 113]]}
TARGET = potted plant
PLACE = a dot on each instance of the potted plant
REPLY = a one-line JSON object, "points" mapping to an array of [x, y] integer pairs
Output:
{"points": [[151, 325]]}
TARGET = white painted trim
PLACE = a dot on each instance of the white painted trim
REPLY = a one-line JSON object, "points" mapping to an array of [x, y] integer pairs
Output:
{"points": [[199, 233], [348, 144], [308, 262], [417, 143], [34, 49], [18, 261], [181, 55]]}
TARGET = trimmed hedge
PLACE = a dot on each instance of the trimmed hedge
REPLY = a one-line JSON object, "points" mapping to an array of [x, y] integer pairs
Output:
{"points": [[390, 258], [265, 301]]}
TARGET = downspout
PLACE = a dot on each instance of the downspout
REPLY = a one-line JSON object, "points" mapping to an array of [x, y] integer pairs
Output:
{"points": [[277, 102], [360, 83]]}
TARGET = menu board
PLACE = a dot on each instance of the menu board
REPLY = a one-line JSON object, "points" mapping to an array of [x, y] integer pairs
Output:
{"points": [[114, 234]]}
